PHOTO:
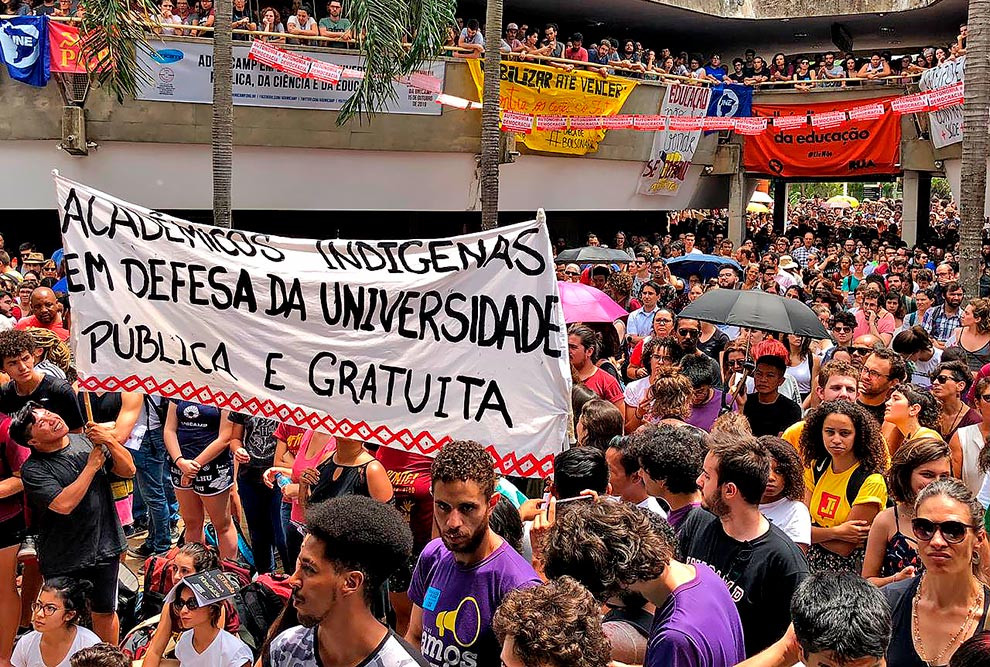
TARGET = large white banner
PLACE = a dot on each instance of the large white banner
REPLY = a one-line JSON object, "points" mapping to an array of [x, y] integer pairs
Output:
{"points": [[401, 343], [946, 125], [672, 152], [183, 72]]}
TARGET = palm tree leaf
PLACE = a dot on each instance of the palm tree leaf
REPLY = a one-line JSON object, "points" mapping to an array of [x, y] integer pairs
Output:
{"points": [[382, 28], [111, 35]]}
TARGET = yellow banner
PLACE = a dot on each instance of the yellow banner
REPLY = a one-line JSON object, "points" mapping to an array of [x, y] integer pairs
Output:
{"points": [[540, 90]]}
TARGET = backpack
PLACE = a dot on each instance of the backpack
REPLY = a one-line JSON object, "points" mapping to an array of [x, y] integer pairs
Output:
{"points": [[157, 583], [244, 554], [258, 606], [639, 619], [856, 479], [128, 593]]}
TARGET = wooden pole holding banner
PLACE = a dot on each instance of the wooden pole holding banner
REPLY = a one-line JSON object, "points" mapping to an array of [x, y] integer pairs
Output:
{"points": [[89, 407]]}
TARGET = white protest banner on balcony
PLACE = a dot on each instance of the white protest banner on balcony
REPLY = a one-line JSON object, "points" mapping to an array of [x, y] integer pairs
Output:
{"points": [[946, 124], [406, 344], [673, 148], [183, 72]]}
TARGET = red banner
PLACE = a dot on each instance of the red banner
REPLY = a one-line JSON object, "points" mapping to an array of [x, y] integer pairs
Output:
{"points": [[854, 148], [64, 46]]}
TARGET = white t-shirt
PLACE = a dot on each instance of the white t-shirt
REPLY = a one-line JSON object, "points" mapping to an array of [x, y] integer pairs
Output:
{"points": [[225, 651], [922, 369], [27, 653], [636, 391], [653, 505], [792, 517], [294, 21], [172, 19]]}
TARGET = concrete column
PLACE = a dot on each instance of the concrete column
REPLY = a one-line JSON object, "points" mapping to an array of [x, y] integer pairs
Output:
{"points": [[779, 205], [909, 228], [738, 200]]}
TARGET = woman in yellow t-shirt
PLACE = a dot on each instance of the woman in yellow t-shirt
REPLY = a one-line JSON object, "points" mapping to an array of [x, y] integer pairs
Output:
{"points": [[844, 484], [914, 412]]}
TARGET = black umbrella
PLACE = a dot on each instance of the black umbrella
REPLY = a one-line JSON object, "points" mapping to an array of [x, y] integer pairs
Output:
{"points": [[756, 310], [594, 255]]}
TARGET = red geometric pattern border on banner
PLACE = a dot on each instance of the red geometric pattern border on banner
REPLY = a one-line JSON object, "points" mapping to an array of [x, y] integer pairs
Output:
{"points": [[424, 443]]}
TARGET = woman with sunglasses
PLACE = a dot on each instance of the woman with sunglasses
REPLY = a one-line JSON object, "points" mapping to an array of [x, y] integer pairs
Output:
{"points": [[950, 381], [891, 549], [845, 459], [932, 615], [203, 643], [970, 442], [59, 617]]}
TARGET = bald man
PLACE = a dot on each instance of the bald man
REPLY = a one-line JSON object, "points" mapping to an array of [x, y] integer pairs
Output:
{"points": [[46, 313]]}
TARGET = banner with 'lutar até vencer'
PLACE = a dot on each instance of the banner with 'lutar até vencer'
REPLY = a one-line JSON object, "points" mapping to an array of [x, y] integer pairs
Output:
{"points": [[848, 149]]}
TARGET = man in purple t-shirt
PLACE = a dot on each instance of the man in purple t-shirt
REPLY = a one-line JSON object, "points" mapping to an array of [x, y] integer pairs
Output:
{"points": [[615, 547], [706, 399], [462, 577]]}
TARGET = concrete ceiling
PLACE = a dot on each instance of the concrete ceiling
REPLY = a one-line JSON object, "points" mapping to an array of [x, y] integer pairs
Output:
{"points": [[659, 25]]}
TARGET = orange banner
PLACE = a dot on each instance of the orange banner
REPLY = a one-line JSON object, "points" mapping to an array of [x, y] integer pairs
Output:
{"points": [[64, 45], [848, 148]]}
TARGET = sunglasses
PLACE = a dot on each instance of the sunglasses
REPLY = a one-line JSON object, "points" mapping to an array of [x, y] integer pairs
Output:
{"points": [[736, 363], [571, 273], [689, 332], [188, 603], [641, 262], [942, 379], [860, 350], [839, 328], [953, 532]]}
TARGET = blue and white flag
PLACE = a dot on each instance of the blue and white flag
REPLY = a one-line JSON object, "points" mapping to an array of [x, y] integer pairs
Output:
{"points": [[24, 49], [731, 100]]}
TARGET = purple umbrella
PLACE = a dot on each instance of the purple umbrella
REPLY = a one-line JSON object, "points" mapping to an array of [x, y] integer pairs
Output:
{"points": [[583, 303]]}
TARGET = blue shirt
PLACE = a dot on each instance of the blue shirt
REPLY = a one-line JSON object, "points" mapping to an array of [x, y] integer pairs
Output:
{"points": [[640, 322]]}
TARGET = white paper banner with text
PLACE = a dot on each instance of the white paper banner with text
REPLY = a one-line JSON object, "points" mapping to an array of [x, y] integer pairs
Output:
{"points": [[673, 148], [401, 343], [184, 73], [946, 124]]}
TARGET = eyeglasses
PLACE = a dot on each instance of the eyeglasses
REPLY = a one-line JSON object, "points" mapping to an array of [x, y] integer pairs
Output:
{"points": [[663, 320], [688, 332], [985, 398], [862, 351], [876, 375], [188, 603], [953, 532], [45, 609], [942, 379], [662, 358]]}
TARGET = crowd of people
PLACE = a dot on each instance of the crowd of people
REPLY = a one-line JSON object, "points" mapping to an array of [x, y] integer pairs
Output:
{"points": [[733, 496]]}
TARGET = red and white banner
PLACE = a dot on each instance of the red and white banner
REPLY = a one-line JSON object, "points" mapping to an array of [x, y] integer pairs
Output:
{"points": [[546, 123], [866, 112], [944, 98], [521, 123], [789, 122], [827, 119], [910, 103], [649, 123]]}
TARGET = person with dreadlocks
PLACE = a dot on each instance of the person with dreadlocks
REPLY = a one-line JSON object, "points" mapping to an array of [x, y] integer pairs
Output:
{"points": [[52, 355]]}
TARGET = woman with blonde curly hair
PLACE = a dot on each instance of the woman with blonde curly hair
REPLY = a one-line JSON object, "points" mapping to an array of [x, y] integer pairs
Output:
{"points": [[52, 355], [844, 484], [668, 400]]}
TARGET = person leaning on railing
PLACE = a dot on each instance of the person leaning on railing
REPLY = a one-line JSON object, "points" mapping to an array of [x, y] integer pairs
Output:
{"points": [[271, 23], [335, 26]]}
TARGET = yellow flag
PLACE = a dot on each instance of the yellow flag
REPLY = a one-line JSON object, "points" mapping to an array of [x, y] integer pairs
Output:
{"points": [[540, 90]]}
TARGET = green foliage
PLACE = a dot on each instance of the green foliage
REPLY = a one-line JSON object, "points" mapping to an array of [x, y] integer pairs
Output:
{"points": [[382, 28], [941, 188], [112, 34]]}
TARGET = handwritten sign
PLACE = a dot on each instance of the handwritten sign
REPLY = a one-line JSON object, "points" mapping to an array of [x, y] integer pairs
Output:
{"points": [[946, 123], [407, 344], [667, 169], [539, 90]]}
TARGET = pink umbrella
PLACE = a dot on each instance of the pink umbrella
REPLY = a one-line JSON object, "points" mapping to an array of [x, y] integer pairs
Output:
{"points": [[583, 303]]}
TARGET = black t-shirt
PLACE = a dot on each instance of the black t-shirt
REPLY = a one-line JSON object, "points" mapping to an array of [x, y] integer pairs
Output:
{"points": [[259, 438], [878, 411], [738, 78], [761, 575], [52, 394], [900, 595], [713, 346], [91, 533], [771, 418]]}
